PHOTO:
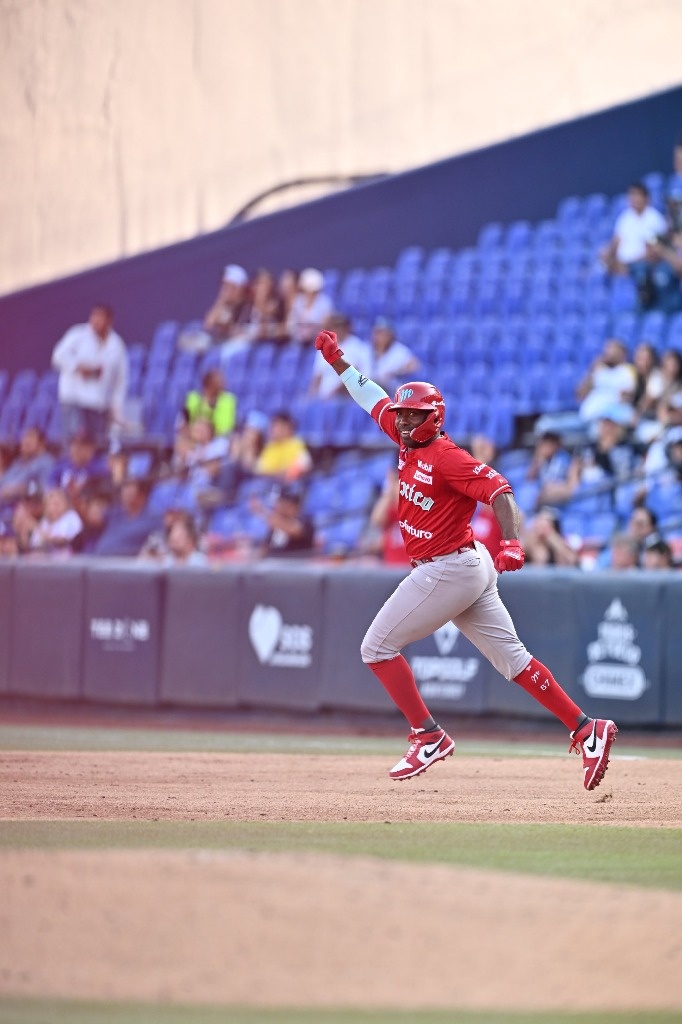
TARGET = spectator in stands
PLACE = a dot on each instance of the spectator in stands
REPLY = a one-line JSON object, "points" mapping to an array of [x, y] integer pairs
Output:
{"points": [[601, 464], [648, 389], [641, 525], [204, 460], [82, 465], [246, 446], [227, 319], [32, 465], [129, 522], [284, 455], [92, 361], [549, 466], [325, 381], [634, 227], [268, 318], [657, 553], [9, 547], [658, 275], [543, 541], [611, 382], [624, 552], [669, 416], [59, 525], [213, 403], [93, 508], [178, 544], [382, 536], [287, 289], [291, 530], [391, 359], [310, 309], [26, 515]]}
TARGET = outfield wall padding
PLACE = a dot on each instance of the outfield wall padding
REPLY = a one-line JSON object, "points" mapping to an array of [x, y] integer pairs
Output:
{"points": [[46, 656], [285, 635]]}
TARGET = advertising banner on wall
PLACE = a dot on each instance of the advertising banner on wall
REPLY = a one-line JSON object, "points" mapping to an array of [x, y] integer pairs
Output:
{"points": [[122, 633], [672, 652], [281, 623], [450, 672], [619, 643]]}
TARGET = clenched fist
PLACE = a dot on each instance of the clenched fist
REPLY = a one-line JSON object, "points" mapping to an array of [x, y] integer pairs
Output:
{"points": [[327, 344], [510, 556]]}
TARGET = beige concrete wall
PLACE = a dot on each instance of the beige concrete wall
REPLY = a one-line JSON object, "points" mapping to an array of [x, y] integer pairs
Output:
{"points": [[129, 124]]}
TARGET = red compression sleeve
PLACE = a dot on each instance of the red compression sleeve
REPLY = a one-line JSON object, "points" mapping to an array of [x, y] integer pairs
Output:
{"points": [[539, 682], [397, 679]]}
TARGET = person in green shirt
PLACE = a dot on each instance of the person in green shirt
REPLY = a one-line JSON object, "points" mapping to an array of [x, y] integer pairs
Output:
{"points": [[213, 403]]}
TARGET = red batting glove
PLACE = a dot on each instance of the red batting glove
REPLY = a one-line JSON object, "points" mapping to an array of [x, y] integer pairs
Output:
{"points": [[511, 556], [327, 344]]}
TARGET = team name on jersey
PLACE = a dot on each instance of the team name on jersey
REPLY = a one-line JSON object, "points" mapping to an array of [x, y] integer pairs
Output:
{"points": [[423, 478], [416, 497]]}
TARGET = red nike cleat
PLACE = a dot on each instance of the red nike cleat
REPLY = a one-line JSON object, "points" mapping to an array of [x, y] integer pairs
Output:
{"points": [[594, 742], [425, 749]]}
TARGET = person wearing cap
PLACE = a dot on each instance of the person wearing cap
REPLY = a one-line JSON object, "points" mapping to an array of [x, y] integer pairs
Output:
{"points": [[549, 466], [325, 382], [80, 466], [92, 361], [391, 359], [229, 315], [310, 309]]}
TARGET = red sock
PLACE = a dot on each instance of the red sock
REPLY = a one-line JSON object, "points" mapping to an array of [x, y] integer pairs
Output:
{"points": [[539, 682], [397, 679]]}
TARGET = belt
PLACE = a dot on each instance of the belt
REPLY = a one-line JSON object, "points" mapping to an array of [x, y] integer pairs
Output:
{"points": [[434, 558]]}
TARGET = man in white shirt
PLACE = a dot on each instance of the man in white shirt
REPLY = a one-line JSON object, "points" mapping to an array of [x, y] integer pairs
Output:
{"points": [[391, 359], [635, 226], [92, 361], [325, 382], [609, 385]]}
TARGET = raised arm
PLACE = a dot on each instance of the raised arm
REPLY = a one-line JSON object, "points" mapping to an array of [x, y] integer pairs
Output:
{"points": [[362, 390]]}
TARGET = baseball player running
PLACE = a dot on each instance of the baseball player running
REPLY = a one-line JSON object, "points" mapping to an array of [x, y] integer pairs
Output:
{"points": [[453, 577]]}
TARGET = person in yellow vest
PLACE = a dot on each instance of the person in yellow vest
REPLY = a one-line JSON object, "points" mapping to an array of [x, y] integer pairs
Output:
{"points": [[285, 455], [213, 403]]}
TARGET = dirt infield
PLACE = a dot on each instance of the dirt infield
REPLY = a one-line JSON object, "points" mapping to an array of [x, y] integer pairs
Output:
{"points": [[319, 930], [318, 787]]}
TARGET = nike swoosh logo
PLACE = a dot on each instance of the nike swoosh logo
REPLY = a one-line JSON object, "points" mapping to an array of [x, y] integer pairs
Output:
{"points": [[592, 749], [433, 749]]}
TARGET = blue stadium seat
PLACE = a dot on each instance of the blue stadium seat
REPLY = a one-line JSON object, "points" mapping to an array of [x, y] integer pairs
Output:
{"points": [[625, 326], [4, 381], [343, 537], [595, 206], [570, 210], [490, 236], [349, 423], [332, 280], [434, 300], [289, 366], [352, 292], [23, 386], [379, 292], [39, 412], [518, 235], [653, 328], [409, 261], [439, 265], [164, 342], [461, 300], [489, 297], [11, 420], [623, 294], [407, 297], [409, 330]]}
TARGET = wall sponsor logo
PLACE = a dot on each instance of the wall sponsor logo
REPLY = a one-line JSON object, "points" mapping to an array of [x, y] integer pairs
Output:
{"points": [[442, 676], [122, 634], [614, 669], [278, 643]]}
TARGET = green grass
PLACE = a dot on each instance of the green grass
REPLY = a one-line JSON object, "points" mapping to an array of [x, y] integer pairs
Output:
{"points": [[88, 738], [632, 856], [35, 1012]]}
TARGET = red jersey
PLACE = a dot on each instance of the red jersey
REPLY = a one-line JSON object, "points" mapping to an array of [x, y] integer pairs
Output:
{"points": [[439, 488]]}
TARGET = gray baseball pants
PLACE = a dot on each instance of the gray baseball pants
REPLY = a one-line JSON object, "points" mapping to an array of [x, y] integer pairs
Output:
{"points": [[461, 588]]}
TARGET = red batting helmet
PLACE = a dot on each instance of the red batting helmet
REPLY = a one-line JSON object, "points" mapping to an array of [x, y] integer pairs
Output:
{"points": [[419, 394]]}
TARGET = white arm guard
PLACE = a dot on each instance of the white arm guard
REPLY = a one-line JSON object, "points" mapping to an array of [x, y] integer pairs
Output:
{"points": [[361, 389]]}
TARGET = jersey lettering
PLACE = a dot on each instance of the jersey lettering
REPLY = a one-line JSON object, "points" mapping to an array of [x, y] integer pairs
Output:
{"points": [[416, 497], [423, 478], [413, 532]]}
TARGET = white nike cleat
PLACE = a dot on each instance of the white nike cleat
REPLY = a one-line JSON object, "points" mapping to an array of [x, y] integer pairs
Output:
{"points": [[594, 742], [425, 749]]}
